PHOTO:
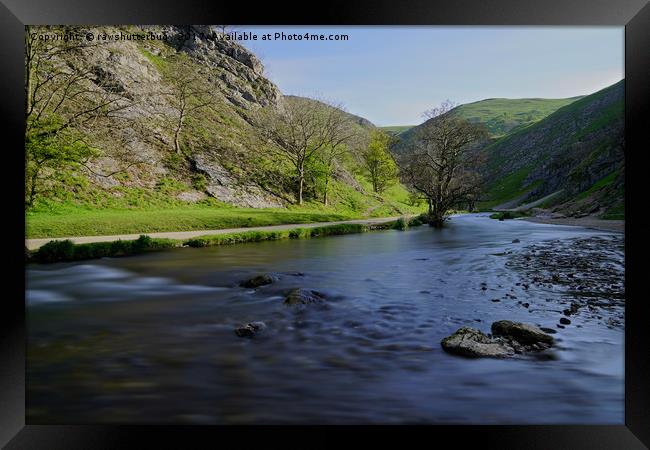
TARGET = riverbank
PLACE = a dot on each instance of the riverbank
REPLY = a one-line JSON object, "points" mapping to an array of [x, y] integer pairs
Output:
{"points": [[92, 247], [35, 244], [587, 222]]}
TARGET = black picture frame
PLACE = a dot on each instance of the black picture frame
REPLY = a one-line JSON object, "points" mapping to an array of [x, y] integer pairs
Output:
{"points": [[15, 14]]}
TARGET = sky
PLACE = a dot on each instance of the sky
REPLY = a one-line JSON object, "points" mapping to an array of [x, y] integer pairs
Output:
{"points": [[390, 75]]}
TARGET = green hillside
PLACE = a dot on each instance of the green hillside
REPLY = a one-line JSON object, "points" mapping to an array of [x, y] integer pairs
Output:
{"points": [[500, 116], [577, 151], [503, 115]]}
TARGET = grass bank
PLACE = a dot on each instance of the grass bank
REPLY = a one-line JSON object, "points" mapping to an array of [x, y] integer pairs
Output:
{"points": [[155, 213], [64, 222], [66, 250]]}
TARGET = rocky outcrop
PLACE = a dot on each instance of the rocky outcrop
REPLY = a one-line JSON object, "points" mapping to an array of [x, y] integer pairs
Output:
{"points": [[240, 72], [224, 186]]}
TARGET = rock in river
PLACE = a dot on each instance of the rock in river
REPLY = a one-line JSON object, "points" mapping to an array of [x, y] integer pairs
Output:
{"points": [[508, 338], [471, 342], [523, 333], [250, 329], [300, 296], [259, 280]]}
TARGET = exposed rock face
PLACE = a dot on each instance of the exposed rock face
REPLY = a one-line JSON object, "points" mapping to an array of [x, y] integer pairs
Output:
{"points": [[471, 342], [259, 280], [242, 74], [225, 187], [300, 296]]}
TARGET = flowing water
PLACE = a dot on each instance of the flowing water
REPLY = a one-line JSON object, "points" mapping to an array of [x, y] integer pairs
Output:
{"points": [[149, 339]]}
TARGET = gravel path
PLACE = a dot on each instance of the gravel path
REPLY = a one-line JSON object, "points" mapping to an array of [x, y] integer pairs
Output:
{"points": [[33, 244]]}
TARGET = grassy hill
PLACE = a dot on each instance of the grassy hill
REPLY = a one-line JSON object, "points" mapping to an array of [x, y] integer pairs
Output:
{"points": [[576, 151], [503, 115], [500, 116]]}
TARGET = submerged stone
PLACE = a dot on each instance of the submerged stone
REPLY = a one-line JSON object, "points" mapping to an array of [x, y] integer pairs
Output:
{"points": [[301, 296], [259, 280], [250, 329]]}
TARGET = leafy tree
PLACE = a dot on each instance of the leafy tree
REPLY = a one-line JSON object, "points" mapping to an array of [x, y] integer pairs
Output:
{"points": [[48, 154], [381, 169]]}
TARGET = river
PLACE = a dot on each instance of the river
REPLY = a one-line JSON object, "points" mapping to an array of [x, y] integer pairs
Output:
{"points": [[149, 338]]}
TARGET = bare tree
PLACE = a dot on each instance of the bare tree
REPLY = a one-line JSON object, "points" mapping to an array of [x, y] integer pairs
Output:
{"points": [[338, 131], [304, 130], [443, 165], [188, 94], [57, 83], [66, 101]]}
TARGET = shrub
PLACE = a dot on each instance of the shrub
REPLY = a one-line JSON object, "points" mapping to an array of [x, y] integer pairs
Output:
{"points": [[507, 215], [199, 182], [55, 251], [418, 220], [401, 224]]}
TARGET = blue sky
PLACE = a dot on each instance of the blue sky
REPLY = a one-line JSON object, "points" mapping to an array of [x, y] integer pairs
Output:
{"points": [[390, 75]]}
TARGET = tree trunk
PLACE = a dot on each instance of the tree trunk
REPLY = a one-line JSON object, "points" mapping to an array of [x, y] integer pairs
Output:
{"points": [[177, 146], [32, 190], [327, 183], [301, 182], [437, 220]]}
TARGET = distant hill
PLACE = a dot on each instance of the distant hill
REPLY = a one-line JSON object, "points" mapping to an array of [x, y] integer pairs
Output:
{"points": [[361, 121], [575, 152], [396, 129], [499, 115], [502, 115]]}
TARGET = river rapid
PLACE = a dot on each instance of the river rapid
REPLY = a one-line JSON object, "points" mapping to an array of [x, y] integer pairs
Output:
{"points": [[150, 338]]}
